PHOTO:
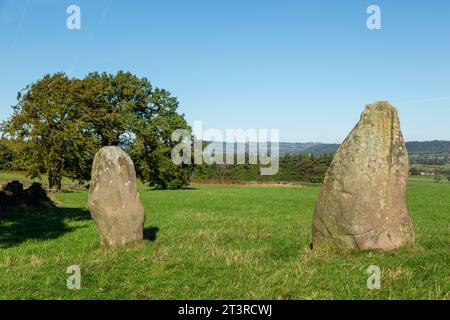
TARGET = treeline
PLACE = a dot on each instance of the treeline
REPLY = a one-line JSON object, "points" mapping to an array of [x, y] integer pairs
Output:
{"points": [[429, 159], [292, 168], [436, 171], [59, 123]]}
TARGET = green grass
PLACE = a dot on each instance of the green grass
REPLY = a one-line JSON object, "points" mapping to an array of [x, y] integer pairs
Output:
{"points": [[220, 242], [427, 181]]}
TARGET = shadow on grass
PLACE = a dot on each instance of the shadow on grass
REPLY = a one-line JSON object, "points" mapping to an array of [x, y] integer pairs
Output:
{"points": [[43, 223], [150, 233]]}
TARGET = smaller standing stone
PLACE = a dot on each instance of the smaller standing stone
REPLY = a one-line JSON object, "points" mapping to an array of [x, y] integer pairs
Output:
{"points": [[113, 198]]}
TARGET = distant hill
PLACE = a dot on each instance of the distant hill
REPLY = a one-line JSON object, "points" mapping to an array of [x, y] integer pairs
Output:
{"points": [[436, 147], [320, 148]]}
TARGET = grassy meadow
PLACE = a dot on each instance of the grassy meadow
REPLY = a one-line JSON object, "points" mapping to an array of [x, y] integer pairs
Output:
{"points": [[220, 242]]}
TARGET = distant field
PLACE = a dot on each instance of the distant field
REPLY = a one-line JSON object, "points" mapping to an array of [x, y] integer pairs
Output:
{"points": [[446, 166], [220, 242], [9, 175], [426, 181]]}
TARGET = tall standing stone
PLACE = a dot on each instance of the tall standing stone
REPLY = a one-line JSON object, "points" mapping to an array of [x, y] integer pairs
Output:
{"points": [[362, 203], [113, 198]]}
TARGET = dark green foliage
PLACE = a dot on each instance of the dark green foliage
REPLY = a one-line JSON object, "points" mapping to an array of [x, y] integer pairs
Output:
{"points": [[298, 168], [6, 154], [414, 171], [429, 159], [59, 124], [152, 146], [49, 134]]}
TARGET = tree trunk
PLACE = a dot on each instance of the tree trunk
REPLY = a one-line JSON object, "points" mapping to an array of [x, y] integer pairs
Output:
{"points": [[55, 176]]}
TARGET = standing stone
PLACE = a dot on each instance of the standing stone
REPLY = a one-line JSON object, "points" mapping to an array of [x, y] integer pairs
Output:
{"points": [[113, 198], [362, 203]]}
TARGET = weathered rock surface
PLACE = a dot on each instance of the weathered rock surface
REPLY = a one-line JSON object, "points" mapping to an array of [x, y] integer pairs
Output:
{"points": [[362, 203], [113, 198]]}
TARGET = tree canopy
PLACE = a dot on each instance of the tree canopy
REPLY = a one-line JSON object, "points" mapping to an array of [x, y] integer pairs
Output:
{"points": [[59, 123], [6, 154]]}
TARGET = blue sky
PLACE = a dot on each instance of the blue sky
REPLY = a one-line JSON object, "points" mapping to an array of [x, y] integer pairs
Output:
{"points": [[307, 68]]}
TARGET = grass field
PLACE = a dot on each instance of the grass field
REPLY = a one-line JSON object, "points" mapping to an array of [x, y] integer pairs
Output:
{"points": [[220, 242]]}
